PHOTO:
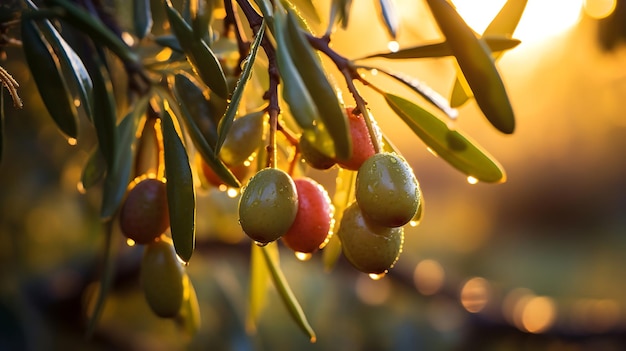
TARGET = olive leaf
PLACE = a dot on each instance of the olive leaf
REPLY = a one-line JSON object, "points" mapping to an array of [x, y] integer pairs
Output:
{"points": [[169, 41], [185, 90], [193, 104], [305, 7], [94, 170], [257, 293], [496, 43], [420, 88], [267, 9], [339, 13], [46, 72], [231, 111], [201, 12], [331, 113], [118, 175], [503, 24], [70, 63], [104, 107], [284, 291], [389, 16], [142, 18], [95, 29], [455, 148], [343, 197], [202, 59], [181, 197], [474, 58]]}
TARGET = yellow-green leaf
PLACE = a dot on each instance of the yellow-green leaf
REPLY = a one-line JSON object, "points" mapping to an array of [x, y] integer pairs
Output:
{"points": [[503, 24], [198, 52], [474, 58], [46, 72], [496, 43], [181, 195], [455, 148], [188, 96], [389, 16], [284, 291], [231, 111], [94, 169], [257, 294], [331, 112]]}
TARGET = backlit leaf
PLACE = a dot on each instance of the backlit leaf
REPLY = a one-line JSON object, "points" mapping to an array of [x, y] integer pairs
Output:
{"points": [[496, 43], [389, 15], [331, 112], [94, 169], [257, 294], [457, 149], [474, 58], [284, 291], [344, 196], [198, 52], [231, 111], [46, 72], [181, 195]]}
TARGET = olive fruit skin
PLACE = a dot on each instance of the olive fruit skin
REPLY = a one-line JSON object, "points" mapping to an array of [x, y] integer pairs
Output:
{"points": [[369, 247], [386, 190], [145, 214], [240, 172], [268, 205], [313, 220], [162, 278], [362, 147], [313, 157], [243, 139]]}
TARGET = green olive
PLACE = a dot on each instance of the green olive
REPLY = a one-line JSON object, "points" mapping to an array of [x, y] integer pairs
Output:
{"points": [[268, 205], [386, 190], [162, 278], [243, 139], [369, 247]]}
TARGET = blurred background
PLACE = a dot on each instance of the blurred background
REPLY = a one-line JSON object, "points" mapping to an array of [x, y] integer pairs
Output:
{"points": [[535, 263]]}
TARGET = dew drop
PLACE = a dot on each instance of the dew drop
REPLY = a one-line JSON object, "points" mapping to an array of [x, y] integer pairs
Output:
{"points": [[377, 276], [472, 180], [432, 152], [81, 188], [72, 141], [303, 256], [260, 244], [232, 193], [414, 223], [130, 242], [393, 46]]}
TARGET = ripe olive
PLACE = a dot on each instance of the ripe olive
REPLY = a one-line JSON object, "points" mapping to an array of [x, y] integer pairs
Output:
{"points": [[268, 205], [362, 147], [243, 139], [313, 220], [387, 190], [162, 278], [145, 215], [369, 247], [240, 171], [313, 157]]}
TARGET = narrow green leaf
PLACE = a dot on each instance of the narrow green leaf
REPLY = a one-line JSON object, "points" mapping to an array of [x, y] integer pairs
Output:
{"points": [[142, 18], [193, 104], [284, 291], [331, 113], [201, 15], [95, 29], [257, 294], [496, 43], [231, 111], [339, 13], [344, 196], [267, 9], [306, 7], [169, 41], [108, 273], [457, 149], [389, 15], [104, 108], [202, 59], [118, 176], [182, 87], [70, 63], [503, 24], [474, 58], [94, 170], [420, 88], [46, 71], [181, 195]]}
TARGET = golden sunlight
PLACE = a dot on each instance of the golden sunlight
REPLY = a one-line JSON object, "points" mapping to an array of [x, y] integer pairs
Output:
{"points": [[541, 19]]}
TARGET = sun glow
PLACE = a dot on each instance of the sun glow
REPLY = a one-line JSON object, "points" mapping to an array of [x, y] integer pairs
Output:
{"points": [[541, 19]]}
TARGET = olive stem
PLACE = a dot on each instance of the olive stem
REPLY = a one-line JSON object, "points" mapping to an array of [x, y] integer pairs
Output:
{"points": [[232, 19], [361, 105], [293, 140], [271, 145]]}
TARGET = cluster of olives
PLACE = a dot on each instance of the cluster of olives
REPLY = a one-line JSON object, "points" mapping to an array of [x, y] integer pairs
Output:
{"points": [[274, 206]]}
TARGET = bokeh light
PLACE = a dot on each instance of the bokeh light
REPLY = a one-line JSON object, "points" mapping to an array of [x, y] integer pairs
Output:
{"points": [[428, 277]]}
